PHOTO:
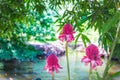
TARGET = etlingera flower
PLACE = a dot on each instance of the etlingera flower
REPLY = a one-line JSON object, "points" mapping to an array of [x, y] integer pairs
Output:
{"points": [[52, 64], [92, 57], [67, 33]]}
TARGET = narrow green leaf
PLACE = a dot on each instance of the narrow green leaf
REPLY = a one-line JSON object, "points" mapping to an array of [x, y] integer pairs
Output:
{"points": [[84, 41], [60, 27], [98, 76], [116, 74], [109, 36], [86, 38], [111, 23], [77, 37], [84, 19]]}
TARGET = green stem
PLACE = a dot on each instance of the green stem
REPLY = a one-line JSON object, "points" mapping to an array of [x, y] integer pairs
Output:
{"points": [[52, 75], [67, 60], [112, 50], [90, 74]]}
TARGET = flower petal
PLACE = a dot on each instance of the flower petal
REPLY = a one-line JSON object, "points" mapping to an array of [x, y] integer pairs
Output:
{"points": [[62, 37], [69, 38], [93, 64], [96, 63], [86, 60]]}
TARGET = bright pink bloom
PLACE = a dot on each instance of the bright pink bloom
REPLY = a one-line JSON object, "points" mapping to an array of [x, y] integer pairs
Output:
{"points": [[67, 33], [92, 57], [52, 64]]}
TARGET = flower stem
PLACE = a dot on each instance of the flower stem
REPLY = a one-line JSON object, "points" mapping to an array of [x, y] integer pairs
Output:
{"points": [[90, 74], [52, 75], [112, 50], [67, 60]]}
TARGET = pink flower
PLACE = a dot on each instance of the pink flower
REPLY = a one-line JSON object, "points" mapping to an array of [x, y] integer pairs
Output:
{"points": [[67, 33], [92, 57], [52, 64]]}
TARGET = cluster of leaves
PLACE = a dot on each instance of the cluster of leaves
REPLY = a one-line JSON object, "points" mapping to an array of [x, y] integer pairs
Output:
{"points": [[39, 28], [23, 21], [83, 15], [101, 15], [20, 22], [96, 76], [16, 50], [16, 11], [116, 54]]}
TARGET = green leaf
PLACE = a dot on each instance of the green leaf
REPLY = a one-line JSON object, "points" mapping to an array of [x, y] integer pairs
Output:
{"points": [[60, 27], [85, 39], [77, 37], [111, 23], [83, 20], [109, 36], [116, 74], [98, 76]]}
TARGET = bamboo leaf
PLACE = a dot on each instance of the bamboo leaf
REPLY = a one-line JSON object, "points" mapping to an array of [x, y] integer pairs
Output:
{"points": [[98, 76], [116, 74], [111, 23], [85, 39], [83, 20], [77, 37]]}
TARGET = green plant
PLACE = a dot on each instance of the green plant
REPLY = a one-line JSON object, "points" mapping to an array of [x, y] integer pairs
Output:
{"points": [[23, 21], [16, 50]]}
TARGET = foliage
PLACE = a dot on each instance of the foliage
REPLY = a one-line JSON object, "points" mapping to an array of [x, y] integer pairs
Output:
{"points": [[97, 14], [16, 11], [16, 50], [17, 16], [100, 15], [15, 47], [116, 54], [40, 28], [23, 21]]}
